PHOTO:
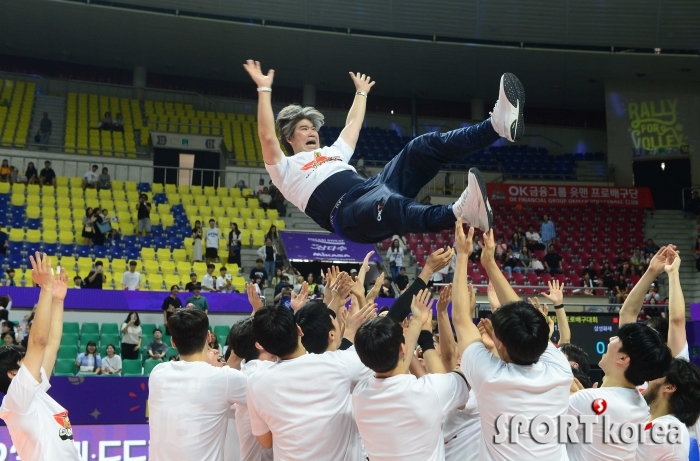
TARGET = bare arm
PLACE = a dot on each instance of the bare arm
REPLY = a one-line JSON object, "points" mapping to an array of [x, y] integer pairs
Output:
{"points": [[272, 154], [503, 289], [356, 115], [60, 288], [633, 304], [467, 332], [432, 361], [556, 296], [448, 345], [265, 440], [676, 305], [421, 313], [41, 327]]}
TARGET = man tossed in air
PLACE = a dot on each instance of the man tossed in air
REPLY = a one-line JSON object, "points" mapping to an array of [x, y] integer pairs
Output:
{"points": [[321, 183]]}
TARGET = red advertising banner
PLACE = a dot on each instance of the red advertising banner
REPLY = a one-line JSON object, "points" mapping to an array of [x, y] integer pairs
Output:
{"points": [[524, 194]]}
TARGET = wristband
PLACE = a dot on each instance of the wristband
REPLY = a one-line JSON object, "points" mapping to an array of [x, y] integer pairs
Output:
{"points": [[361, 93], [264, 89], [426, 341], [560, 306]]}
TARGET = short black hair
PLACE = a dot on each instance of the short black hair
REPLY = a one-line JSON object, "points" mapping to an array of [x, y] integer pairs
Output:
{"points": [[582, 377], [211, 266], [259, 260], [578, 355], [685, 401], [315, 322], [650, 357], [174, 286], [241, 340], [138, 319], [10, 356], [158, 329], [378, 344], [212, 221], [11, 271], [99, 263], [132, 263], [189, 329], [276, 331], [197, 286], [659, 324], [522, 330], [222, 268]]}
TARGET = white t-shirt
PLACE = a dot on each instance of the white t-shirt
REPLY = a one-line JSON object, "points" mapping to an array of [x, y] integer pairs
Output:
{"points": [[208, 281], [387, 408], [298, 176], [624, 405], [38, 425], [212, 237], [650, 451], [532, 236], [131, 280], [305, 402], [461, 431], [232, 447], [221, 283], [395, 256], [91, 176], [251, 450], [508, 389], [114, 363], [188, 406]]}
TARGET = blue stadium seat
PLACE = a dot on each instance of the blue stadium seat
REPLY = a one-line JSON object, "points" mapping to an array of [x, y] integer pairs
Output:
{"points": [[144, 187], [15, 261], [172, 231], [146, 241], [50, 248], [17, 222], [133, 253], [160, 198], [130, 241], [115, 251], [66, 250], [157, 230], [100, 251], [15, 247], [34, 223], [83, 251], [177, 209], [32, 248], [176, 242], [161, 242]]}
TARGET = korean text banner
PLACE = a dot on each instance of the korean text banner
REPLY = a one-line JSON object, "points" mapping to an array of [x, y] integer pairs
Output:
{"points": [[324, 247], [523, 194]]}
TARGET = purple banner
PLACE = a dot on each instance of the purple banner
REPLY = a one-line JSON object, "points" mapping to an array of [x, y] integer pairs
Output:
{"points": [[303, 246], [695, 311], [120, 300], [99, 443]]}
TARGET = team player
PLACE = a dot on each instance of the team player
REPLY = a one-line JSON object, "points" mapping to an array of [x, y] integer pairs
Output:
{"points": [[39, 426], [674, 403], [321, 183]]}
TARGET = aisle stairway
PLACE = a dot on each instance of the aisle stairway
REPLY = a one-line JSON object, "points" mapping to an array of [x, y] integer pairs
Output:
{"points": [[56, 108]]}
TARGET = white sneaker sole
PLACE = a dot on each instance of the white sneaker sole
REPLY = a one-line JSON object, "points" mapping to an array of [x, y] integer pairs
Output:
{"points": [[515, 94], [476, 211]]}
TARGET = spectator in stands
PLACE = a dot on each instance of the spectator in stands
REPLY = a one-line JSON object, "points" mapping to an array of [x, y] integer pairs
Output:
{"points": [[279, 282], [223, 282], [77, 282], [10, 280], [211, 238], [143, 215], [638, 262], [261, 186], [626, 271], [547, 231], [90, 178], [449, 184], [395, 256], [501, 250], [4, 241], [106, 227], [45, 130], [360, 166], [106, 123], [526, 259], [8, 338], [402, 280], [622, 259], [651, 247], [521, 235], [696, 252], [112, 364], [96, 277], [89, 362], [265, 198], [268, 253], [197, 234], [89, 220], [104, 181], [22, 328], [476, 255], [653, 294], [171, 304], [427, 200], [31, 174], [98, 236], [241, 184], [5, 171], [552, 261], [276, 239], [157, 349], [620, 289], [284, 296], [131, 280], [214, 344], [276, 279], [515, 243], [234, 245], [14, 176], [191, 284], [590, 270], [607, 277], [534, 241], [209, 279], [512, 263], [587, 284], [278, 202], [387, 290], [198, 301], [131, 336], [47, 177], [300, 282], [118, 122]]}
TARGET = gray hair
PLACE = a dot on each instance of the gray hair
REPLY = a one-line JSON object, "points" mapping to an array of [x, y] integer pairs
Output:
{"points": [[288, 118]]}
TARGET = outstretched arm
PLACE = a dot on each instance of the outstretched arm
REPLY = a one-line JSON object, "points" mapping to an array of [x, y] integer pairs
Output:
{"points": [[272, 153], [556, 296], [633, 304], [503, 289], [676, 304], [462, 314], [421, 312], [448, 346], [60, 288], [41, 327], [356, 115]]}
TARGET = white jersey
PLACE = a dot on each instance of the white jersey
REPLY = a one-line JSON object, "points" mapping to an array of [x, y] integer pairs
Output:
{"points": [[212, 237], [650, 451], [250, 449], [298, 176], [38, 425], [461, 431]]}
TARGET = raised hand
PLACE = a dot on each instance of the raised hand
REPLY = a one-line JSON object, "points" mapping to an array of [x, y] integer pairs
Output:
{"points": [[556, 295], [493, 297], [544, 310], [298, 300], [464, 243], [343, 286], [673, 261], [374, 292], [487, 335], [445, 298], [60, 285], [254, 70], [42, 273], [362, 82], [658, 263], [356, 320], [254, 297], [472, 297], [488, 243], [420, 307], [438, 259]]}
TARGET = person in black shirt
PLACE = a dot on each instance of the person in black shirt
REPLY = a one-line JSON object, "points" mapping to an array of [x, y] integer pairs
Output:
{"points": [[95, 278], [47, 176], [402, 279], [192, 283], [590, 270], [31, 174], [620, 289], [259, 270], [4, 242], [171, 304], [552, 261], [621, 260], [387, 291], [144, 215]]}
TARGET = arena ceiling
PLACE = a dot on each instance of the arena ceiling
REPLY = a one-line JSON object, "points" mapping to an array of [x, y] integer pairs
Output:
{"points": [[563, 51]]}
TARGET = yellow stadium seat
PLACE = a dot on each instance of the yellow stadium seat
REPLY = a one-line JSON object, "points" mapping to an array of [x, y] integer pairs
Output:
{"points": [[200, 269], [19, 188], [200, 200], [184, 269], [167, 267], [127, 229], [224, 223], [84, 264], [167, 220], [49, 224], [170, 189], [170, 280], [186, 199], [222, 192], [155, 282], [4, 186], [148, 254], [258, 238], [62, 191], [205, 211], [253, 203], [163, 254], [183, 189], [265, 224], [63, 202], [33, 236], [65, 237], [130, 186], [119, 196], [75, 182], [16, 235], [279, 224], [78, 202], [179, 255], [259, 213], [50, 236], [246, 213], [235, 192], [17, 199], [105, 194], [117, 185], [48, 213], [151, 266], [62, 181], [163, 208], [214, 201], [118, 266], [238, 283], [226, 202], [45, 190], [48, 201], [33, 212], [65, 225], [241, 203], [272, 214], [157, 188], [68, 262], [251, 223], [196, 190]]}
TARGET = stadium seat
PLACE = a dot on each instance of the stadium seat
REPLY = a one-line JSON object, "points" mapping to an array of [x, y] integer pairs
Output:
{"points": [[91, 328], [131, 368], [67, 352], [149, 365], [221, 330], [113, 339], [87, 337], [71, 328], [69, 339], [65, 367], [147, 330], [109, 329]]}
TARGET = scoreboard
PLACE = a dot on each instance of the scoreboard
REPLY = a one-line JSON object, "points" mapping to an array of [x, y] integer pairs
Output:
{"points": [[590, 331]]}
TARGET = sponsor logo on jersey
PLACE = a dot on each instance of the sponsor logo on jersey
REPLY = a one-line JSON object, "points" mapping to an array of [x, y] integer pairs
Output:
{"points": [[66, 430]]}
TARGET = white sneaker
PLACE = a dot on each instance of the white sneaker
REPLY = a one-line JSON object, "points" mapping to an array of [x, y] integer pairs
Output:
{"points": [[507, 115], [473, 205]]}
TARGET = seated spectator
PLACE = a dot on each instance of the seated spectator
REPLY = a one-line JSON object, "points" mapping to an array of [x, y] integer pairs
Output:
{"points": [[653, 294], [476, 255], [5, 171], [402, 280], [449, 184], [198, 301], [4, 241], [552, 261], [22, 329], [278, 202], [501, 250], [192, 283], [171, 304], [300, 282], [10, 281], [223, 282], [261, 186], [209, 279], [112, 364], [620, 289], [77, 282], [31, 174], [8, 338], [106, 226], [386, 291], [104, 181], [89, 225], [265, 198], [284, 295], [526, 259], [89, 362], [118, 122], [47, 177], [106, 123], [131, 280], [241, 184], [590, 270], [587, 284], [638, 262], [651, 247], [534, 241], [607, 277], [157, 349], [279, 281], [15, 177], [90, 178], [622, 259], [515, 243], [626, 270], [536, 264], [98, 236], [132, 335], [521, 236], [6, 326], [214, 344], [547, 231], [512, 263]]}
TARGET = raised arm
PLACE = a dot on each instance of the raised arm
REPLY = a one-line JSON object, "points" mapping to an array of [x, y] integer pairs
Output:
{"points": [[556, 296], [503, 289], [633, 304], [60, 288], [421, 313], [41, 326], [676, 304], [272, 153], [462, 313], [448, 345], [356, 115]]}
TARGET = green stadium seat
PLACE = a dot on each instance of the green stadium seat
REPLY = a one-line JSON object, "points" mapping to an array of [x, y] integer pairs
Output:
{"points": [[68, 352], [87, 337], [131, 368], [109, 329], [166, 339], [70, 339], [113, 339], [222, 339], [71, 328], [221, 330], [65, 367], [172, 352], [149, 365], [147, 330], [90, 328]]}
